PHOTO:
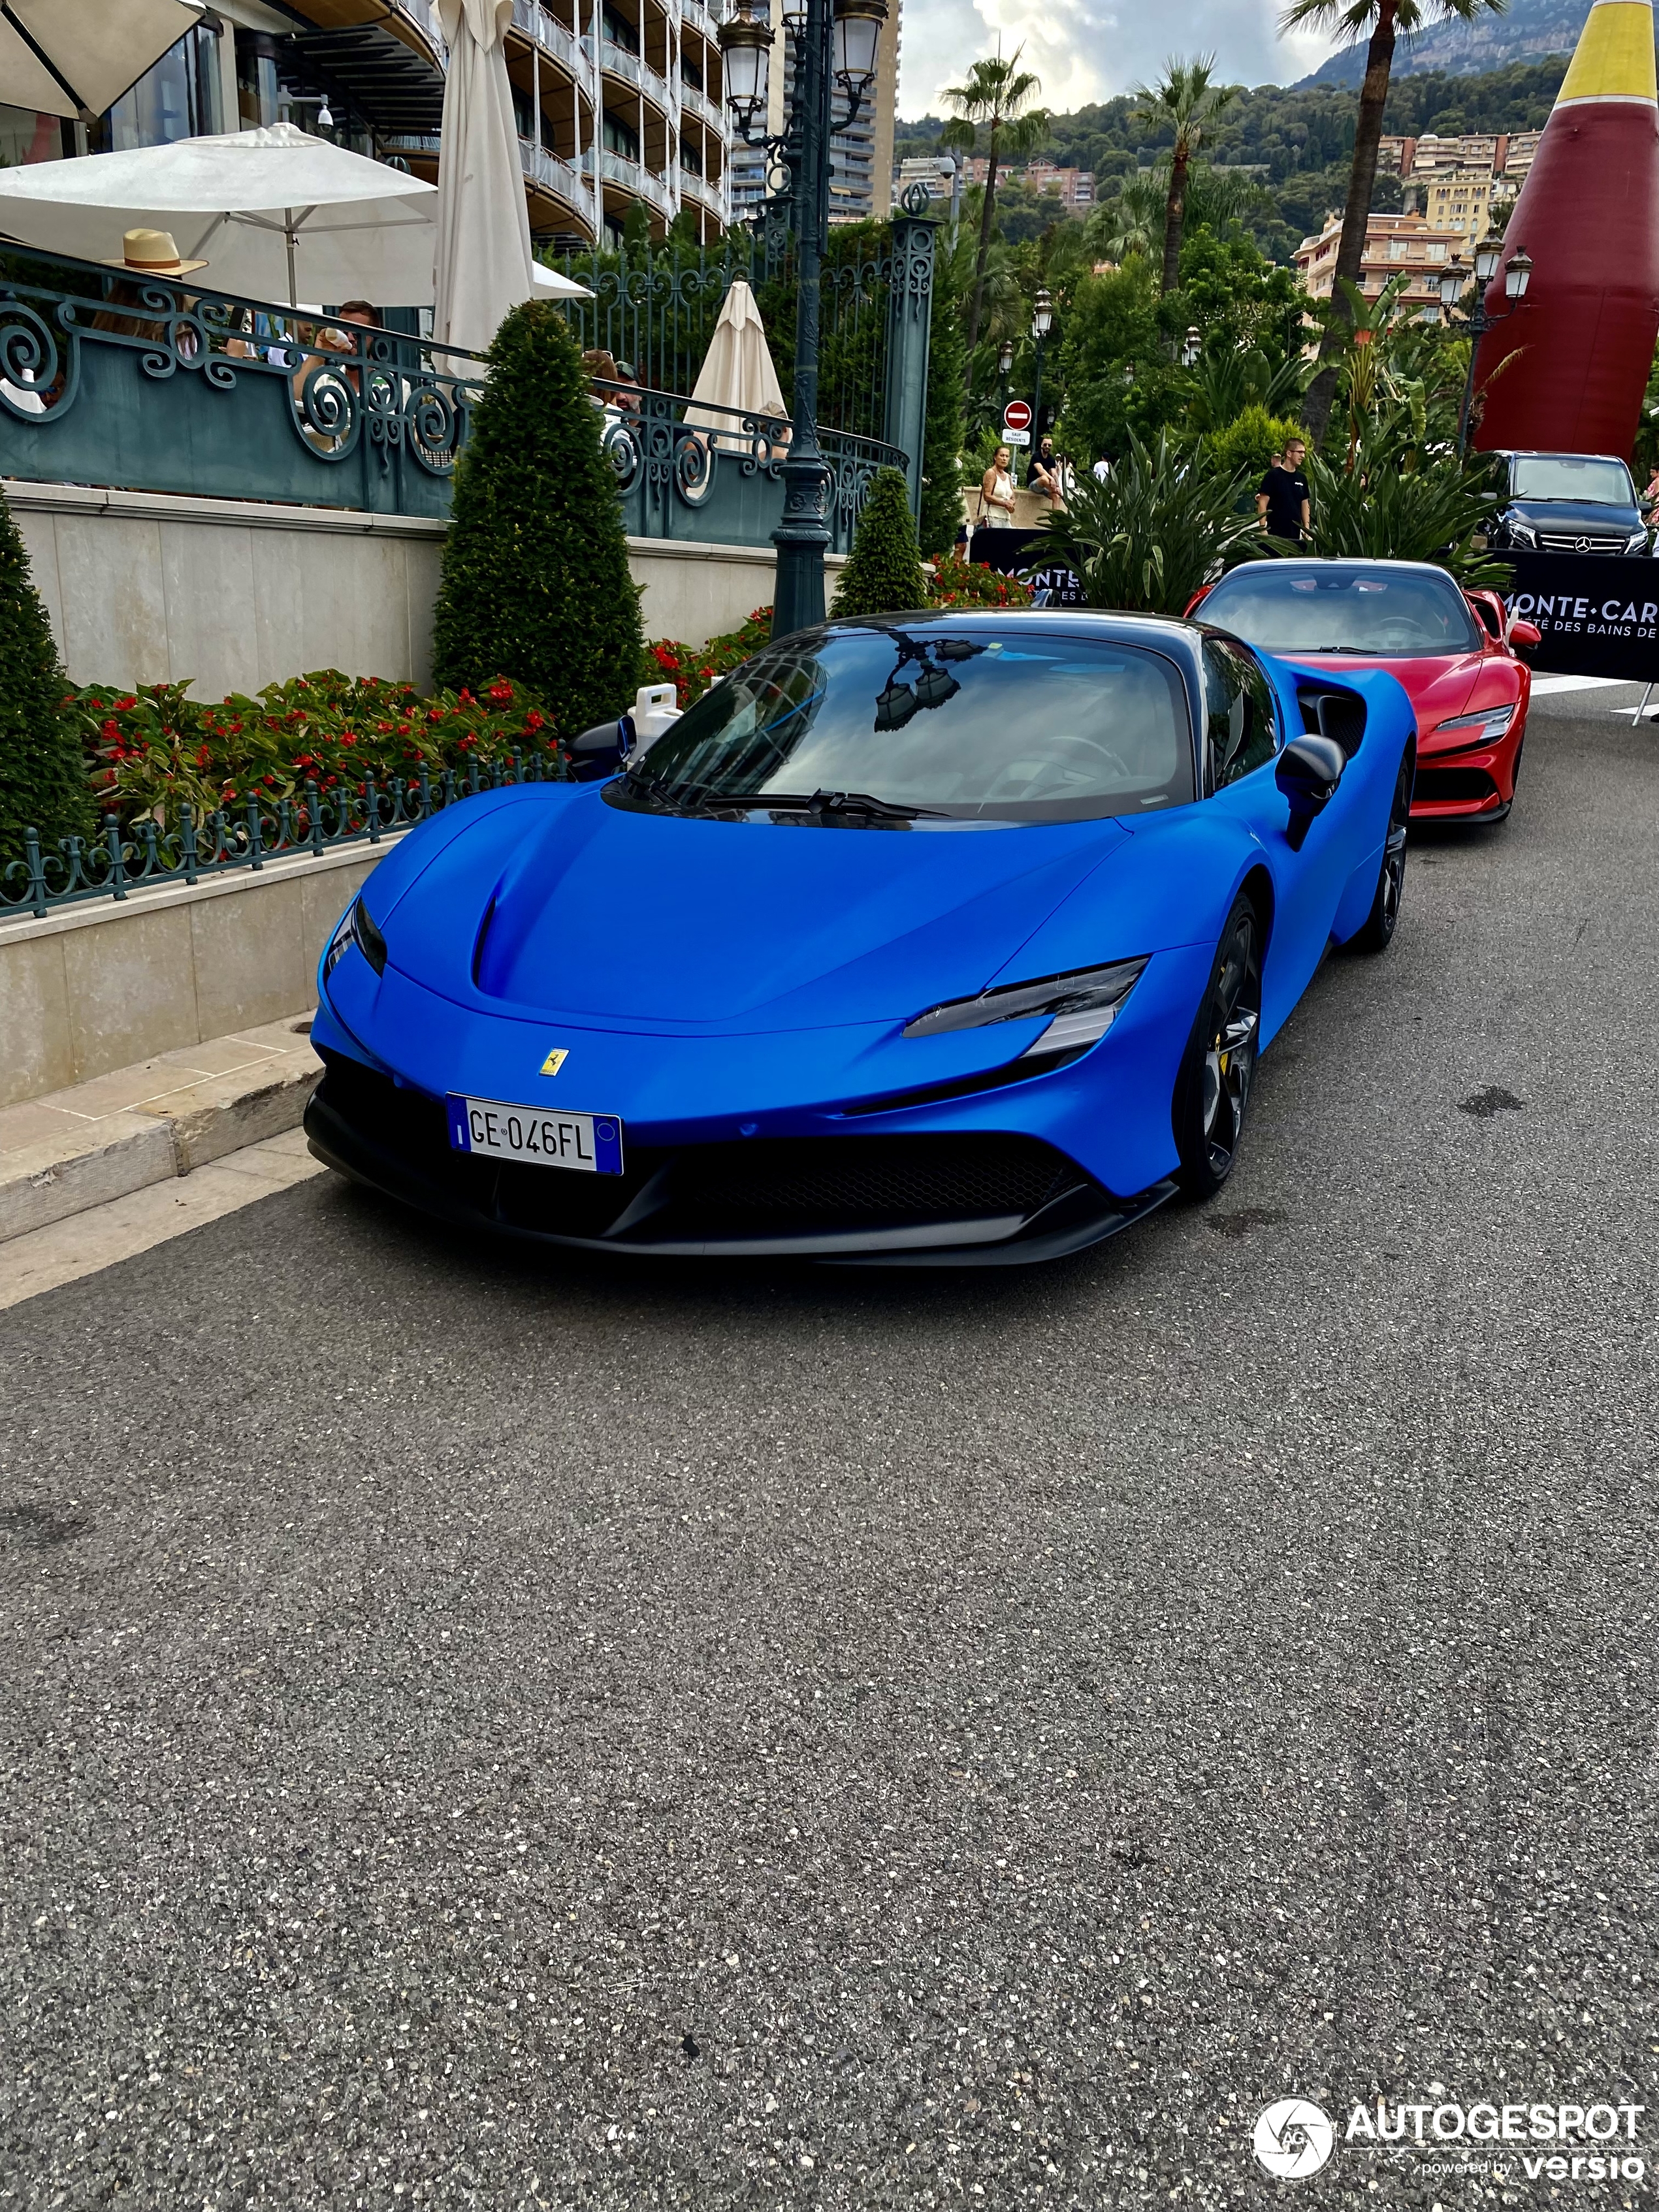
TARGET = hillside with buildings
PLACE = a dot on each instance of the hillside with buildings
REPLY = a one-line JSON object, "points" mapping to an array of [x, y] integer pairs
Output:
{"points": [[1456, 148]]}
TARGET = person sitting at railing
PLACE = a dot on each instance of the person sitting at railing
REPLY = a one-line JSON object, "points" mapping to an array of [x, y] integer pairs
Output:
{"points": [[151, 255], [338, 336]]}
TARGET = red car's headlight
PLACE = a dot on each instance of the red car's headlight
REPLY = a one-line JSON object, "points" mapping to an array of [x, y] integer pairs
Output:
{"points": [[1484, 728]]}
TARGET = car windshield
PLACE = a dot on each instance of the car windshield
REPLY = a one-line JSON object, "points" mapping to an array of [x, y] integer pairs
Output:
{"points": [[1569, 476], [967, 723], [1393, 613]]}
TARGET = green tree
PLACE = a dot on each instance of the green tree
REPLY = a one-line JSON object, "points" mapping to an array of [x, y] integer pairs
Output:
{"points": [[998, 96], [1186, 100], [883, 574], [941, 451], [1247, 444], [1385, 20], [1146, 539], [42, 771], [536, 582]]}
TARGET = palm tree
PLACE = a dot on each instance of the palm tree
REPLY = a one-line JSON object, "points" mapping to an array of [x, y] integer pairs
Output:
{"points": [[1188, 100], [1127, 224], [1386, 19], [998, 94]]}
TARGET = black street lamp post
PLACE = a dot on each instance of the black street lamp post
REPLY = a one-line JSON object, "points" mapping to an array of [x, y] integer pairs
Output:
{"points": [[1042, 321], [836, 43], [1004, 368], [1517, 277]]}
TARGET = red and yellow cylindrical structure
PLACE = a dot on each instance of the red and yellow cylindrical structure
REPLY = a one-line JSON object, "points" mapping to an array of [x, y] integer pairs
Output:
{"points": [[1588, 215]]}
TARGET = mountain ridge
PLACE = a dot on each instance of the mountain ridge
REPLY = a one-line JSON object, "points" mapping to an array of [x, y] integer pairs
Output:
{"points": [[1527, 30]]}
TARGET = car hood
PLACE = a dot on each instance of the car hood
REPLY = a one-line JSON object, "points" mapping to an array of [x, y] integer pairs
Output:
{"points": [[1437, 684], [1554, 514], [623, 919]]}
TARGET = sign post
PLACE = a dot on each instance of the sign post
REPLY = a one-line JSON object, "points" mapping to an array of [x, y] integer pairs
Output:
{"points": [[1017, 422]]}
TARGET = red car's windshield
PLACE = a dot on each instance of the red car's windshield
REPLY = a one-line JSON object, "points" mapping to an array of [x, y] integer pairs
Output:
{"points": [[1388, 613]]}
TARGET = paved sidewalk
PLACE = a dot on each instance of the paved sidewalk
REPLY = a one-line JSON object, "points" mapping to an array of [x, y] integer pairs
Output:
{"points": [[163, 1118]]}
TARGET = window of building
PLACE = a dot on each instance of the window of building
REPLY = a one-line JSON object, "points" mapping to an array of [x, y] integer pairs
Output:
{"points": [[178, 98], [620, 31], [617, 138]]}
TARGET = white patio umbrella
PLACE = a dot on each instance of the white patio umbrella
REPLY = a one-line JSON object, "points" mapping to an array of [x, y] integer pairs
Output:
{"points": [[484, 265], [275, 213], [736, 371], [77, 56]]}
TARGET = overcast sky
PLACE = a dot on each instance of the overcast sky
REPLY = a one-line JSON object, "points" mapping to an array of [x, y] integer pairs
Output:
{"points": [[1086, 49]]}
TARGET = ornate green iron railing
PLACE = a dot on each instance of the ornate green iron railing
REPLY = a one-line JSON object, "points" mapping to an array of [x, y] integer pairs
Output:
{"points": [[151, 386], [107, 379], [689, 470], [120, 860]]}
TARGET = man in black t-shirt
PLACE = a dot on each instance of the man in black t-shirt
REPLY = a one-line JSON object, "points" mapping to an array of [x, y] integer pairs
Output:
{"points": [[1281, 501]]}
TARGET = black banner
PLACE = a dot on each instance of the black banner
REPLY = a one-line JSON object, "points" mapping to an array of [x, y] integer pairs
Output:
{"points": [[1012, 552], [1599, 613]]}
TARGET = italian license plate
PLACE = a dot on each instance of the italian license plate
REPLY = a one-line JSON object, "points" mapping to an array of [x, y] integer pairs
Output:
{"points": [[591, 1143]]}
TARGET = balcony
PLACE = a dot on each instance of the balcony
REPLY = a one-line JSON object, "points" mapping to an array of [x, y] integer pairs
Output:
{"points": [[699, 104], [699, 190], [549, 34], [423, 15], [560, 178], [634, 177], [618, 62]]}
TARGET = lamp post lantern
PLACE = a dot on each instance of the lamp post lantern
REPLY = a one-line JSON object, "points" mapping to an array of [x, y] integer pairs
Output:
{"points": [[1517, 277], [1004, 368], [1190, 345], [835, 45], [1042, 321]]}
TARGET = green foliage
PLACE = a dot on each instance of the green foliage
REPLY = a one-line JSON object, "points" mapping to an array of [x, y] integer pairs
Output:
{"points": [[1249, 442], [693, 668], [1148, 536], [1380, 510], [157, 748], [941, 450], [43, 784], [535, 581], [883, 571], [959, 583]]}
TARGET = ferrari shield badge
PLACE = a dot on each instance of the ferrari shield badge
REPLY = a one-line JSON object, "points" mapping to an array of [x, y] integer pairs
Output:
{"points": [[554, 1061]]}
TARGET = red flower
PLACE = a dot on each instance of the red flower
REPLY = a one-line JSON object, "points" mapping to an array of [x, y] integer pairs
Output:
{"points": [[110, 732], [501, 692], [122, 705], [534, 719]]}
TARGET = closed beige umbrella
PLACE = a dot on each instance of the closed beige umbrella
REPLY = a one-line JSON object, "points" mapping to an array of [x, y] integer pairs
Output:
{"points": [[736, 372], [484, 265]]}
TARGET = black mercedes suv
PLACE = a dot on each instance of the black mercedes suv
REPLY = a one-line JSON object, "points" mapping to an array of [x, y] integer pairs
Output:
{"points": [[1568, 503]]}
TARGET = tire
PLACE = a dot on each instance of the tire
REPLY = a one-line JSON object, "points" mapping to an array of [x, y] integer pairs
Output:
{"points": [[1375, 934], [1212, 1088]]}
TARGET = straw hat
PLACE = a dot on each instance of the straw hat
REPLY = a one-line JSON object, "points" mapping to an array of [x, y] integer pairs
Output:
{"points": [[152, 254]]}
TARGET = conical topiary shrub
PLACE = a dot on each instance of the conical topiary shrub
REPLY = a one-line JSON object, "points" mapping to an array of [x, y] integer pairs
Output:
{"points": [[536, 581], [883, 575], [43, 770]]}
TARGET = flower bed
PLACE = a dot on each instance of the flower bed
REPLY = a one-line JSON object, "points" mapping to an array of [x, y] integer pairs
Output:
{"points": [[153, 749]]}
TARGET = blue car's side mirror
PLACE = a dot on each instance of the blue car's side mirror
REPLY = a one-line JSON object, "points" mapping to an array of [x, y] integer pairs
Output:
{"points": [[1308, 771], [601, 750]]}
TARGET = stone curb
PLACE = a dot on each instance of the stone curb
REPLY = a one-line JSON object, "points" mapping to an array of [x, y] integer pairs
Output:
{"points": [[184, 1126]]}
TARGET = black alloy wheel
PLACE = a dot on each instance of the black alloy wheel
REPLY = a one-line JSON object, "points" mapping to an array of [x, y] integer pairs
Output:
{"points": [[1376, 933], [1213, 1089]]}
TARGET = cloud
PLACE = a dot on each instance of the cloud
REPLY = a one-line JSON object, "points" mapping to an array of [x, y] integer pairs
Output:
{"points": [[1086, 49]]}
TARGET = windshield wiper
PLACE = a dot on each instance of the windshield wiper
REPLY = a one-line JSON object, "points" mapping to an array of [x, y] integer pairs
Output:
{"points": [[825, 802]]}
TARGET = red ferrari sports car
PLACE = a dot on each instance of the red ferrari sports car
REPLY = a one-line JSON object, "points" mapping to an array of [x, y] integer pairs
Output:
{"points": [[1456, 652]]}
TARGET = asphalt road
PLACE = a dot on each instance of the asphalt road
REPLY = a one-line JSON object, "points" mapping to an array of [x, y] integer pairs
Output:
{"points": [[476, 1733]]}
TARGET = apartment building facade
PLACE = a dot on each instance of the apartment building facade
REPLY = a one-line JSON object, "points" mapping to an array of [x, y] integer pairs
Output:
{"points": [[619, 103], [1395, 245]]}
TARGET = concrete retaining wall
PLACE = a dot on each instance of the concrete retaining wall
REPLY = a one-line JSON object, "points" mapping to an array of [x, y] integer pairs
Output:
{"points": [[151, 587], [102, 986]]}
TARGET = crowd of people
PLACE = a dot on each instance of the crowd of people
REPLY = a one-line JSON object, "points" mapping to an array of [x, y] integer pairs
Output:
{"points": [[1282, 503]]}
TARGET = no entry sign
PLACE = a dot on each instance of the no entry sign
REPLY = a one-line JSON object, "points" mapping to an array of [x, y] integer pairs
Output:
{"points": [[1016, 415]]}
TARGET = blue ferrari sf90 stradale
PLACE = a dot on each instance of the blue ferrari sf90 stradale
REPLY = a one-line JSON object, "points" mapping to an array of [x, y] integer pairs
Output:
{"points": [[925, 939]]}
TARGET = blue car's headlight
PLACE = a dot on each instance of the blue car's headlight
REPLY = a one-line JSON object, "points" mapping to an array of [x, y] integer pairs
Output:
{"points": [[355, 927], [1081, 1005]]}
